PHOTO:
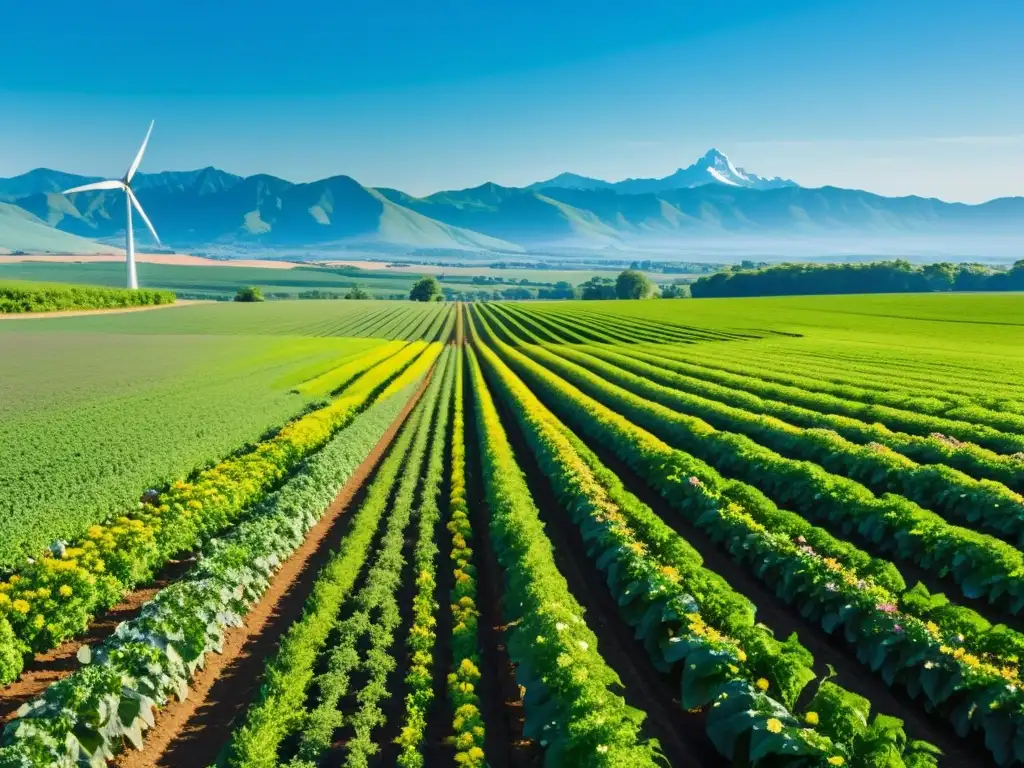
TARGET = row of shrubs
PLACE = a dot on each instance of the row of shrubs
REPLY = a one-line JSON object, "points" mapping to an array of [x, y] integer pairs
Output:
{"points": [[20, 297]]}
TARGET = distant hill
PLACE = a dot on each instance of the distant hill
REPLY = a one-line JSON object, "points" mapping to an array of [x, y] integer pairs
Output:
{"points": [[21, 231], [208, 206], [710, 202]]}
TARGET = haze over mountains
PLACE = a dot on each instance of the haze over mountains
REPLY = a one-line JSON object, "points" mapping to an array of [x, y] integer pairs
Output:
{"points": [[710, 206]]}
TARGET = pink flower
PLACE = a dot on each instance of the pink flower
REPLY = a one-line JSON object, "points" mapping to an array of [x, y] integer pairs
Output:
{"points": [[695, 481], [887, 607], [897, 628], [801, 540]]}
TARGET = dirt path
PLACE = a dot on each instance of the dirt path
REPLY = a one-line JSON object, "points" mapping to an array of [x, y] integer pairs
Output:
{"points": [[85, 312], [192, 732]]}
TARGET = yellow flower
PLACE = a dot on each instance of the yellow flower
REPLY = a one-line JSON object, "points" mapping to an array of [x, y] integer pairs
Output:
{"points": [[836, 760], [741, 655], [762, 684], [811, 718], [4, 599], [773, 725], [66, 591], [21, 606], [39, 621]]}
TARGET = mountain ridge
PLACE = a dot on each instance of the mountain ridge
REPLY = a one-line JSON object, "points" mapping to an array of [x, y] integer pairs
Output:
{"points": [[207, 207]]}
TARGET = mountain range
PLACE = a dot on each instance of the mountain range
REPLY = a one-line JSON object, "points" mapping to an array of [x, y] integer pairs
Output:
{"points": [[711, 201]]}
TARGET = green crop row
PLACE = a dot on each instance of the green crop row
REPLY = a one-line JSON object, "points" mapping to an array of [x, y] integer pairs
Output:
{"points": [[467, 720], [801, 391], [280, 711], [422, 633], [985, 504], [85, 718], [895, 396], [936, 448], [570, 705]]}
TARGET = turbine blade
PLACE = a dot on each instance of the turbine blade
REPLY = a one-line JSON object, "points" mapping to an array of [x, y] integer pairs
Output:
{"points": [[142, 213], [112, 184], [138, 157]]}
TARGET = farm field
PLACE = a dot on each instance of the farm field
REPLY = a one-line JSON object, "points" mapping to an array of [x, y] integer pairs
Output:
{"points": [[215, 281], [772, 532]]}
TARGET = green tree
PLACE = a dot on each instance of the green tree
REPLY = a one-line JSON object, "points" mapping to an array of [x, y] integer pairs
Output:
{"points": [[674, 291], [426, 289], [355, 292], [633, 285], [597, 288], [249, 293]]}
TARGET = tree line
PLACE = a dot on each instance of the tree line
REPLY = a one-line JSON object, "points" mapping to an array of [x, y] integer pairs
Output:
{"points": [[897, 276]]}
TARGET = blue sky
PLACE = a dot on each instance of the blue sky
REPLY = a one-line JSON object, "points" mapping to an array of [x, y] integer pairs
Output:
{"points": [[909, 97]]}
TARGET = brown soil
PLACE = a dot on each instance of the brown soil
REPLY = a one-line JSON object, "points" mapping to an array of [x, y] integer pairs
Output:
{"points": [[47, 668], [84, 312], [192, 732]]}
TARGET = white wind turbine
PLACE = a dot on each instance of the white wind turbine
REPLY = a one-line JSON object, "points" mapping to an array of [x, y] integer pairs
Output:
{"points": [[126, 185]]}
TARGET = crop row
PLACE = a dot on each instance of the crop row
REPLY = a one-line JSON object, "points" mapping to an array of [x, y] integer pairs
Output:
{"points": [[688, 618], [571, 709], [944, 392], [423, 632], [55, 597], [281, 710], [800, 390], [886, 391], [936, 448], [467, 720], [946, 667], [85, 718], [985, 504]]}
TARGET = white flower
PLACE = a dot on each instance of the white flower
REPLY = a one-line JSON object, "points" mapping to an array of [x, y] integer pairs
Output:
{"points": [[584, 646], [602, 748], [561, 626]]}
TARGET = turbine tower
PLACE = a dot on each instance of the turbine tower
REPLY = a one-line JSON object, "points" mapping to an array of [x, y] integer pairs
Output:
{"points": [[130, 200]]}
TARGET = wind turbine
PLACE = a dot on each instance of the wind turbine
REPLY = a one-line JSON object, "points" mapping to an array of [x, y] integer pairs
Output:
{"points": [[131, 200]]}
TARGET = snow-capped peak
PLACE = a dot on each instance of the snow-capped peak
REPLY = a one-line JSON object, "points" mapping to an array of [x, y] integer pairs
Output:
{"points": [[720, 177], [720, 168]]}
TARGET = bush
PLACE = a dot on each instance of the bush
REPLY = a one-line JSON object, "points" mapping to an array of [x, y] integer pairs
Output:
{"points": [[426, 289], [249, 293]]}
